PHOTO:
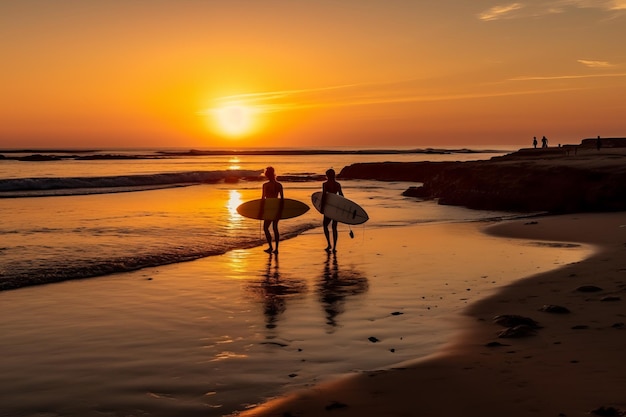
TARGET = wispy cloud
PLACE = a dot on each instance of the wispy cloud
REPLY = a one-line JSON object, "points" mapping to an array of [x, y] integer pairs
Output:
{"points": [[500, 12], [536, 8], [352, 95], [618, 5], [595, 64], [565, 77], [276, 101]]}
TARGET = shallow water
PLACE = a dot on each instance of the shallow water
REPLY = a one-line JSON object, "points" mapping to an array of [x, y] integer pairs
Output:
{"points": [[54, 238]]}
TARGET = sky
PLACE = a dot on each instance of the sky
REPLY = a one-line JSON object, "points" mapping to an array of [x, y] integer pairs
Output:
{"points": [[298, 73]]}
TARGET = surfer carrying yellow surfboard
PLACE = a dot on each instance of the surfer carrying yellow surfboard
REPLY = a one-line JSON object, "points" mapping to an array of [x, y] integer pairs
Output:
{"points": [[333, 187], [272, 189]]}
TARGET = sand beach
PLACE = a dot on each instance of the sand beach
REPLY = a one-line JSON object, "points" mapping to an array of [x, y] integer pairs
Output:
{"points": [[570, 365]]}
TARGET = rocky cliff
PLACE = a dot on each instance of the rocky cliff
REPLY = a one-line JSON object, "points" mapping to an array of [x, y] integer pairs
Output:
{"points": [[525, 181]]}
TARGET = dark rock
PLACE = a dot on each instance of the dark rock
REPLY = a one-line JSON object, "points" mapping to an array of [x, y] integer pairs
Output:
{"points": [[512, 320], [417, 192], [588, 288], [518, 331], [610, 298], [550, 308], [495, 344], [396, 313], [608, 411], [39, 157], [335, 405], [528, 180], [373, 339]]}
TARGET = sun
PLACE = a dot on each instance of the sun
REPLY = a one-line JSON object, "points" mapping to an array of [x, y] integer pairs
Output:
{"points": [[234, 120]]}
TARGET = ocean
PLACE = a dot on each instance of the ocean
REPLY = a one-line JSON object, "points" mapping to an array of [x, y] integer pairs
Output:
{"points": [[80, 216], [184, 314]]}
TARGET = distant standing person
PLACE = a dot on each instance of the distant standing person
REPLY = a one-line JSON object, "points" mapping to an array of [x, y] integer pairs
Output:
{"points": [[272, 189], [544, 142], [535, 142], [333, 187], [598, 143]]}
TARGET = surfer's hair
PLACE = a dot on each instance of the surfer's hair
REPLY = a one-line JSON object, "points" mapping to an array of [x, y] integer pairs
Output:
{"points": [[269, 172], [330, 173]]}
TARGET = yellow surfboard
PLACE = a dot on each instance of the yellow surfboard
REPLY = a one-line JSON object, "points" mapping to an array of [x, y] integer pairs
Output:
{"points": [[291, 208]]}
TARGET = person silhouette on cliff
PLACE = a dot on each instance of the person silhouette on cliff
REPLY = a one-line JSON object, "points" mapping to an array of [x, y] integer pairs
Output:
{"points": [[544, 142], [535, 142]]}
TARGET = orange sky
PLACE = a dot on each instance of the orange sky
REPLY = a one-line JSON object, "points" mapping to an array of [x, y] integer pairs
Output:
{"points": [[155, 73]]}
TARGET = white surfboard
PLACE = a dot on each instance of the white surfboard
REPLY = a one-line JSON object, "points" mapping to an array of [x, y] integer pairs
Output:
{"points": [[339, 208]]}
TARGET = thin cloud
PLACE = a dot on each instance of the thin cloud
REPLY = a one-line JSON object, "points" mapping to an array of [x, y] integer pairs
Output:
{"points": [[500, 12], [595, 64], [283, 100], [618, 5], [352, 95], [566, 77], [533, 8]]}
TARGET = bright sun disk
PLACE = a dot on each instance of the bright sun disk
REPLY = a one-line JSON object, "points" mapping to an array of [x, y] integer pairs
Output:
{"points": [[234, 120]]}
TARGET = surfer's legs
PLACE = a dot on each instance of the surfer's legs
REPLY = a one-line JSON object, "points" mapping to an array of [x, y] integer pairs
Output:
{"points": [[330, 247], [276, 235], [268, 236], [335, 235], [327, 234]]}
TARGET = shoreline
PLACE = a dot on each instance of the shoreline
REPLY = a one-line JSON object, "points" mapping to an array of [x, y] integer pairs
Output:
{"points": [[571, 366]]}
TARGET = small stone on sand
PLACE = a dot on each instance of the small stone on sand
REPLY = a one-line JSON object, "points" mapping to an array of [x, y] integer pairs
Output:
{"points": [[550, 308]]}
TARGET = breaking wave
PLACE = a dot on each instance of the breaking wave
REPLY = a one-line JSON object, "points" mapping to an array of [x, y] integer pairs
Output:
{"points": [[42, 187]]}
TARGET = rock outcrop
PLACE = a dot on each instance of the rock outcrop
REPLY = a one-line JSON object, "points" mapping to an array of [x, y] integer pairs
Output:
{"points": [[526, 181]]}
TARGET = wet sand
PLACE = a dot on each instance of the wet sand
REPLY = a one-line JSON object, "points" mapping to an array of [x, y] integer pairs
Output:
{"points": [[571, 364], [216, 335]]}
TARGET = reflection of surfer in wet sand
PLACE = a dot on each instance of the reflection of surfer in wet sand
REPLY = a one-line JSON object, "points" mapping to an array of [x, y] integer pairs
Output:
{"points": [[336, 286], [274, 303], [272, 189], [333, 187], [272, 292]]}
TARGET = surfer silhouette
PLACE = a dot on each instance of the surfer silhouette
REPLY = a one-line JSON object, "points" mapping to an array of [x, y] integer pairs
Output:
{"points": [[272, 189], [333, 187]]}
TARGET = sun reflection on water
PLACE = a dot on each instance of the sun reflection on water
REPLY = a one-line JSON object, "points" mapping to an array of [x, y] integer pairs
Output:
{"points": [[234, 218], [233, 163], [238, 263]]}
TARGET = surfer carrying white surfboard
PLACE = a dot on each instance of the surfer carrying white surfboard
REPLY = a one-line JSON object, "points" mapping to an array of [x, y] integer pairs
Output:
{"points": [[333, 187], [272, 189]]}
